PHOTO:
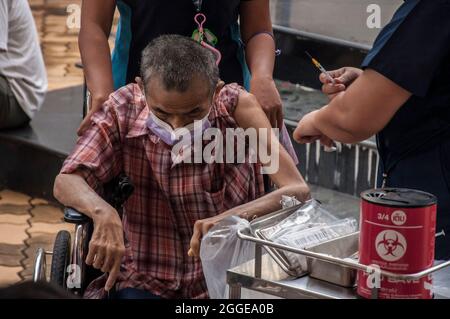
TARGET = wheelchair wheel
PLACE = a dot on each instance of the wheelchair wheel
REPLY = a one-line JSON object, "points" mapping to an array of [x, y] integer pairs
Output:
{"points": [[60, 260]]}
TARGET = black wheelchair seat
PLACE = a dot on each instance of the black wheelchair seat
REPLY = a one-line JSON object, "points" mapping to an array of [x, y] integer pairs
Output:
{"points": [[73, 216]]}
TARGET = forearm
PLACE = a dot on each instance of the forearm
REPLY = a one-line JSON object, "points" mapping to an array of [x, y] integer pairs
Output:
{"points": [[338, 122], [96, 57], [260, 56], [270, 202], [363, 110], [73, 191]]}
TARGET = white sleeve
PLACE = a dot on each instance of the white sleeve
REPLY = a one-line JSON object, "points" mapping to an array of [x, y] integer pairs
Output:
{"points": [[4, 25]]}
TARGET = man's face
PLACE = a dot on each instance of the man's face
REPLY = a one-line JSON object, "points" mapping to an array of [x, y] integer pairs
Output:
{"points": [[179, 109]]}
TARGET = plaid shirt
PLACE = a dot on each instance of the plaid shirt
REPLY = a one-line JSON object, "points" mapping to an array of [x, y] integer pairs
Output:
{"points": [[159, 217]]}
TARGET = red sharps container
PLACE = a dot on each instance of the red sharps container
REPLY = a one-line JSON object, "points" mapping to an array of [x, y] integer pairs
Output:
{"points": [[397, 235]]}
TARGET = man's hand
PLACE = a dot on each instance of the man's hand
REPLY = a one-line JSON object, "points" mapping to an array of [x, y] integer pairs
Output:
{"points": [[267, 94], [95, 105], [306, 132], [107, 248], [201, 228], [343, 78]]}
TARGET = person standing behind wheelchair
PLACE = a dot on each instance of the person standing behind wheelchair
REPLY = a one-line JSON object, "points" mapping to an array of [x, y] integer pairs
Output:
{"points": [[403, 96], [141, 21]]}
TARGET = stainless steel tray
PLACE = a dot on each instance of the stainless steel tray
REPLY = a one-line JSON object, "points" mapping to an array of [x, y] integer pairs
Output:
{"points": [[342, 247], [245, 234], [257, 227]]}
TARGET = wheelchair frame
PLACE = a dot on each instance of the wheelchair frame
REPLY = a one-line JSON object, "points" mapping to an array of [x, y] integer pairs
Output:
{"points": [[76, 274]]}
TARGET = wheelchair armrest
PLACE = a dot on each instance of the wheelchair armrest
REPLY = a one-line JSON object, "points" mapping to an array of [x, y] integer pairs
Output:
{"points": [[73, 216]]}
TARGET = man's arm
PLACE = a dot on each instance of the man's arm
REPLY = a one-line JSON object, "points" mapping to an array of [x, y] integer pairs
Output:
{"points": [[260, 54], [106, 247], [363, 110], [283, 173], [287, 178], [96, 160], [96, 22]]}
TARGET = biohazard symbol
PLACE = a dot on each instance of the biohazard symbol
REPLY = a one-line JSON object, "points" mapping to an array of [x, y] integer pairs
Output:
{"points": [[390, 245]]}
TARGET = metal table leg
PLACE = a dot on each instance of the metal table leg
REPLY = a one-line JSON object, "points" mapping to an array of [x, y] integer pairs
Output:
{"points": [[258, 261], [234, 292]]}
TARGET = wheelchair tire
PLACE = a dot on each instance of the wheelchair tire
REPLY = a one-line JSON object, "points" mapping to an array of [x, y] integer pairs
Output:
{"points": [[60, 259]]}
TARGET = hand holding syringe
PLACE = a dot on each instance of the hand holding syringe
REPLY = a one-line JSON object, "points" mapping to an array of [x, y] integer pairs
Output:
{"points": [[335, 82], [321, 68]]}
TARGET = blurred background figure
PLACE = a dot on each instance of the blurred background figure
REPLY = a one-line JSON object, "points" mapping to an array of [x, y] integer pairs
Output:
{"points": [[23, 80]]}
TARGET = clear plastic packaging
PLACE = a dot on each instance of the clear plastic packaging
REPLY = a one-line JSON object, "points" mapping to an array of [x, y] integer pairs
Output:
{"points": [[310, 215], [313, 236], [310, 225]]}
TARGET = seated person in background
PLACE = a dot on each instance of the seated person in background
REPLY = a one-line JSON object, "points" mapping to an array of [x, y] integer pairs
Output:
{"points": [[175, 202], [23, 80]]}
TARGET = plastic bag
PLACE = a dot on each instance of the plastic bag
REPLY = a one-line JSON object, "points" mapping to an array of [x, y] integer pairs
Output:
{"points": [[289, 201], [221, 249], [441, 283]]}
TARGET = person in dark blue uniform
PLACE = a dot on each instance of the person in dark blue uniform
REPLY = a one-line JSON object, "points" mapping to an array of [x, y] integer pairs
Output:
{"points": [[144, 20], [402, 95]]}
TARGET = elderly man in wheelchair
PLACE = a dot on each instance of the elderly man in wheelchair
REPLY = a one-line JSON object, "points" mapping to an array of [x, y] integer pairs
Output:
{"points": [[146, 137]]}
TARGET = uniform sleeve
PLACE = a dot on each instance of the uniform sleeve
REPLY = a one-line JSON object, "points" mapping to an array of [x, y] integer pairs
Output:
{"points": [[98, 153], [414, 53], [3, 25]]}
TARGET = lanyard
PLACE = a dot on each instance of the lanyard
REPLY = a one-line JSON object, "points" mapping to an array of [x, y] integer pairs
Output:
{"points": [[202, 35], [198, 4]]}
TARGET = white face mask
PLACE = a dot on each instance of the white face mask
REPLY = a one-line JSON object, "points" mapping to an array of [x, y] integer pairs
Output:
{"points": [[171, 136]]}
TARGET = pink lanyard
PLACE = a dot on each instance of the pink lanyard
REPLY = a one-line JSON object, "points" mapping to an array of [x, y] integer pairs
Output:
{"points": [[200, 19]]}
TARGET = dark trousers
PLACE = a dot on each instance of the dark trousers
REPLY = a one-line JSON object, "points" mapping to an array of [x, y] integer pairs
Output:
{"points": [[133, 293], [11, 113]]}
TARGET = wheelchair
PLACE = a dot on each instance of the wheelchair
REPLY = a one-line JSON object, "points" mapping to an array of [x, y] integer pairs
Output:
{"points": [[68, 268]]}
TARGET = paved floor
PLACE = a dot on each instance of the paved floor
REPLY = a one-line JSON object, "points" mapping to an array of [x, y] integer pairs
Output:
{"points": [[57, 22], [25, 224], [59, 43]]}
